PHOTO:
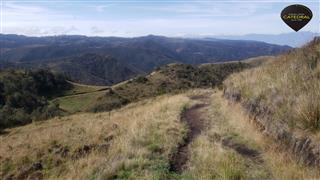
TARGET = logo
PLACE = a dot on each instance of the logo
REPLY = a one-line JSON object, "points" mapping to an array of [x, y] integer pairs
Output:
{"points": [[296, 16]]}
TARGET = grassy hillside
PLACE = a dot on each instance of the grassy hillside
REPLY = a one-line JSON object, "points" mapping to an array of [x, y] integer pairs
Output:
{"points": [[140, 141], [135, 141], [79, 97], [77, 89], [283, 99], [172, 78], [289, 88]]}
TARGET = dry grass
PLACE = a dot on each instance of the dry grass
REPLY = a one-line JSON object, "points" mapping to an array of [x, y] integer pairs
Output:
{"points": [[289, 86], [280, 164], [210, 159], [133, 142]]}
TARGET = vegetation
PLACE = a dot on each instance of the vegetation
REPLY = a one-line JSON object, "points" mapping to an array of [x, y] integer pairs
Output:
{"points": [[138, 141], [24, 96], [172, 78], [94, 69], [267, 160], [77, 89], [133, 142], [288, 88], [79, 97]]}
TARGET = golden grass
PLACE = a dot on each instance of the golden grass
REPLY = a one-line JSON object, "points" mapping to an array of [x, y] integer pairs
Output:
{"points": [[289, 86], [280, 164], [140, 138], [210, 159]]}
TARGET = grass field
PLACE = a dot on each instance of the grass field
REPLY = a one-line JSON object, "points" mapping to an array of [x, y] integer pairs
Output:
{"points": [[79, 97], [78, 103], [82, 89]]}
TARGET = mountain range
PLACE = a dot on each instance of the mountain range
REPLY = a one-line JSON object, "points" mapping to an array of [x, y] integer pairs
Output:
{"points": [[294, 39], [109, 60]]}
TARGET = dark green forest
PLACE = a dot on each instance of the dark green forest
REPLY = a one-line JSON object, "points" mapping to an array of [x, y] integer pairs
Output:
{"points": [[24, 96]]}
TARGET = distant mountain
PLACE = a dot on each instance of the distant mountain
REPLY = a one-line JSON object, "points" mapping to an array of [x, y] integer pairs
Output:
{"points": [[93, 69], [107, 60], [294, 39]]}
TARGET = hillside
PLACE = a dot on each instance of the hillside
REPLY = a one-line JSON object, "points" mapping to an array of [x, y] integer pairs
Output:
{"points": [[126, 56], [92, 69], [283, 98], [172, 78], [192, 135]]}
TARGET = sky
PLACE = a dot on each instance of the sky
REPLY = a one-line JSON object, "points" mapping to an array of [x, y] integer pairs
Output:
{"points": [[129, 18]]}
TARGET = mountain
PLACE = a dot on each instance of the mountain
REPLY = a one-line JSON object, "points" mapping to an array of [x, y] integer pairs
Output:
{"points": [[92, 69], [294, 39], [130, 56]]}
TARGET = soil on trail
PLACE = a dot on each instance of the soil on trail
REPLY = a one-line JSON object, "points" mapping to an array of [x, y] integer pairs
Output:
{"points": [[195, 123], [243, 150]]}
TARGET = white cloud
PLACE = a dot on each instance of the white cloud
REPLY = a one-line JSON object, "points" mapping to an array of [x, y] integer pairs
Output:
{"points": [[101, 8], [198, 19], [96, 30]]}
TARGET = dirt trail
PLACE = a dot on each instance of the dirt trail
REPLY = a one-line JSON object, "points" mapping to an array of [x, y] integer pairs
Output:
{"points": [[195, 123], [243, 150], [197, 118]]}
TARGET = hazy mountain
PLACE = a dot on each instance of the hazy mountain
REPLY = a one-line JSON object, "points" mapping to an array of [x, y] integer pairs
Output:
{"points": [[93, 69], [294, 39], [130, 56]]}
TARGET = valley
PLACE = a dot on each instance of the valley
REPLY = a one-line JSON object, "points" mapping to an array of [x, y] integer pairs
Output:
{"points": [[110, 60], [254, 119]]}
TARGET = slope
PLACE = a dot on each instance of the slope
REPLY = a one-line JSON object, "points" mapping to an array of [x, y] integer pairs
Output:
{"points": [[283, 98], [142, 141]]}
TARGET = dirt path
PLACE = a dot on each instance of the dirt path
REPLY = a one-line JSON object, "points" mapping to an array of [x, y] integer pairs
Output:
{"points": [[226, 126], [195, 123], [207, 116], [243, 150]]}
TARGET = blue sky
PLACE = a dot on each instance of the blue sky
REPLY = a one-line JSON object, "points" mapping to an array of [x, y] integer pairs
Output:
{"points": [[142, 17]]}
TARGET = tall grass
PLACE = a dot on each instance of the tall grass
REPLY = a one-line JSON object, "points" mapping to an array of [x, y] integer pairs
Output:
{"points": [[133, 142], [289, 86]]}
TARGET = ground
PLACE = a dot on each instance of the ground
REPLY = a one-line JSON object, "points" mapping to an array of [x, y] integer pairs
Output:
{"points": [[193, 135]]}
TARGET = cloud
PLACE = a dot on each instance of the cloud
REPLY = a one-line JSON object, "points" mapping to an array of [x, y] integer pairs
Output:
{"points": [[96, 30], [101, 8], [207, 9], [170, 19]]}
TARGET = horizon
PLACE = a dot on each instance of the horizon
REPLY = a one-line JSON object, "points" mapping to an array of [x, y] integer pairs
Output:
{"points": [[136, 18], [157, 35]]}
